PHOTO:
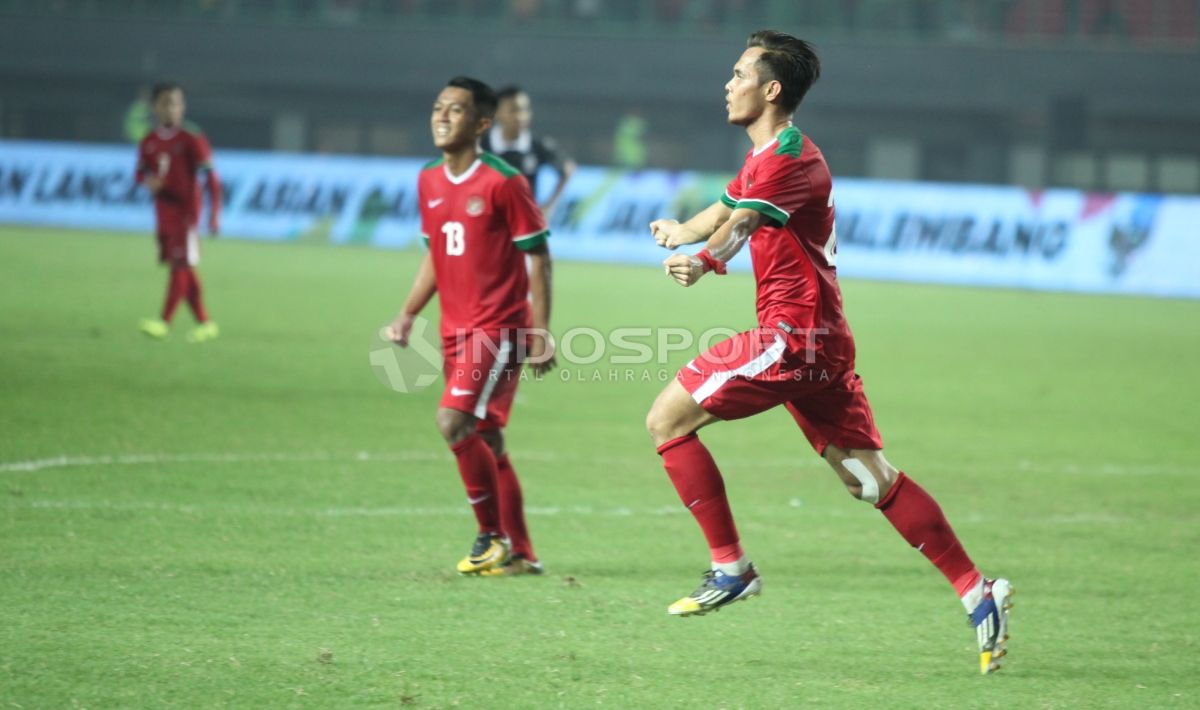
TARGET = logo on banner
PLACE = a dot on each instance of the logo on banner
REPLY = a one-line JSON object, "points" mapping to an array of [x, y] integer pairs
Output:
{"points": [[1131, 230]]}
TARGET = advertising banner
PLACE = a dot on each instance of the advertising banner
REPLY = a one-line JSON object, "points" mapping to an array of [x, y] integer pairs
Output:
{"points": [[927, 232]]}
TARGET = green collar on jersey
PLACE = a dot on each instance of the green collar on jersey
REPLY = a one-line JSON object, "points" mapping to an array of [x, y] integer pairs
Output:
{"points": [[491, 160], [791, 142], [498, 164]]}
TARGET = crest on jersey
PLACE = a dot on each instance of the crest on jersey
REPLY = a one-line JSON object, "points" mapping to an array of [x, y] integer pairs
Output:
{"points": [[475, 206]]}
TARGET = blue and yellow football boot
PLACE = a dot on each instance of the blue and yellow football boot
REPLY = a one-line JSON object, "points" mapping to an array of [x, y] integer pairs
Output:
{"points": [[990, 620], [717, 590]]}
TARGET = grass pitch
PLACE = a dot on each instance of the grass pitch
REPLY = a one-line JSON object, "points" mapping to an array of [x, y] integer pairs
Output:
{"points": [[257, 522]]}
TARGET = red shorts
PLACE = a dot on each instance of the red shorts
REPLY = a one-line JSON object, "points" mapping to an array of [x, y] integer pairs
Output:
{"points": [[754, 371], [482, 371], [178, 239]]}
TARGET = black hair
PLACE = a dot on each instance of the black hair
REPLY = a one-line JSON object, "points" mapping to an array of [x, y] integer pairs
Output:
{"points": [[163, 87], [790, 61], [508, 92], [482, 95]]}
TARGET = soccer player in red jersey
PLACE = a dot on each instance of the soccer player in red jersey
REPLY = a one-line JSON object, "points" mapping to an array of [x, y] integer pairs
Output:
{"points": [[480, 222], [801, 355], [170, 160]]}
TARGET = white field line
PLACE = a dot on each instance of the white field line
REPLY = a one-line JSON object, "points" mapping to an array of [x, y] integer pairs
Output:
{"points": [[1082, 518], [802, 459], [349, 512], [84, 461], [1103, 469], [91, 461]]}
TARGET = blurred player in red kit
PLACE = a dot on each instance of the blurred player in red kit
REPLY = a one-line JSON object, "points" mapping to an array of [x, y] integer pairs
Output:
{"points": [[171, 158], [480, 222], [801, 355]]}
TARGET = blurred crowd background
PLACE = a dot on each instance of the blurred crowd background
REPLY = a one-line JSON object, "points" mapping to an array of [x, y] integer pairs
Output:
{"points": [[1125, 21], [1095, 94]]}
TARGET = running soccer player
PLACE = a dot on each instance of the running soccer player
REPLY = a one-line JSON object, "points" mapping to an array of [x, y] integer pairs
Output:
{"points": [[511, 139], [170, 159], [801, 355], [480, 221]]}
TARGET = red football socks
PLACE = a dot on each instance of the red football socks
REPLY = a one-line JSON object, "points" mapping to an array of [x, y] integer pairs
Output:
{"points": [[184, 283], [920, 521], [193, 297], [178, 283], [477, 466], [701, 488], [512, 509]]}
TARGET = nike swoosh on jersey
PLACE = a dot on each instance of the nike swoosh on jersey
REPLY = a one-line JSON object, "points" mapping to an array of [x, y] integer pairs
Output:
{"points": [[460, 393], [435, 203]]}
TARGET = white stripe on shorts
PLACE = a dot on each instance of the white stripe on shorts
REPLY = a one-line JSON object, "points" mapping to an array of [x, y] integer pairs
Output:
{"points": [[193, 247], [769, 357], [493, 375]]}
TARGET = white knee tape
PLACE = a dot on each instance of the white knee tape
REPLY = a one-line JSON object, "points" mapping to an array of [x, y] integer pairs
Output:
{"points": [[870, 487]]}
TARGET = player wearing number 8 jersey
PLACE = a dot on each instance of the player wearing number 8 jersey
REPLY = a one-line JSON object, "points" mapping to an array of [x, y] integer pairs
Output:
{"points": [[480, 221], [801, 355]]}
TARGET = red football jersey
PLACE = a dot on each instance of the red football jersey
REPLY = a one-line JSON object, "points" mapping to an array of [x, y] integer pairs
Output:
{"points": [[477, 226], [176, 156], [795, 252]]}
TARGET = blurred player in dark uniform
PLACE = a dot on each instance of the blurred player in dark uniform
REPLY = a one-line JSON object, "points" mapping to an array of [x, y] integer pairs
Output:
{"points": [[171, 159], [480, 222], [511, 139]]}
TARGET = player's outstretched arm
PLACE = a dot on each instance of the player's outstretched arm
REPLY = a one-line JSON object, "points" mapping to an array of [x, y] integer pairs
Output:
{"points": [[423, 288], [722, 246], [670, 233], [541, 357]]}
